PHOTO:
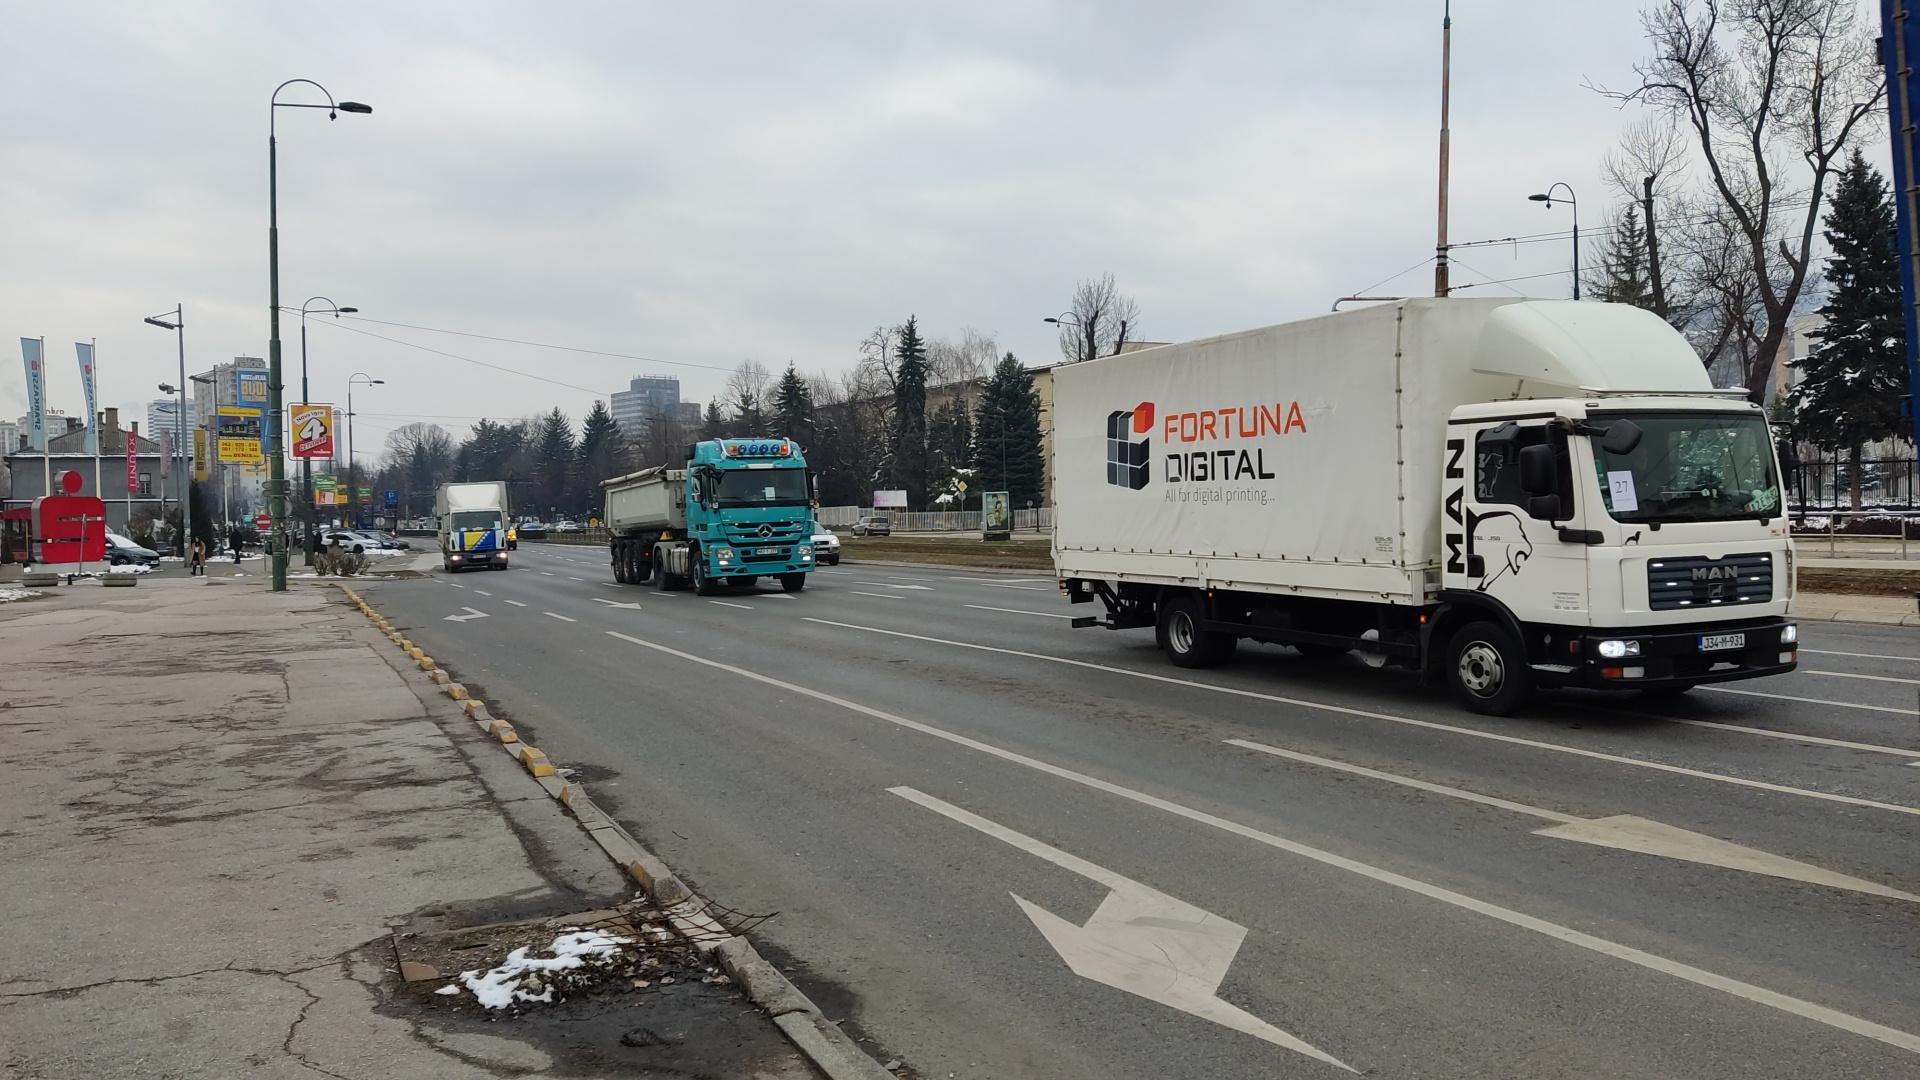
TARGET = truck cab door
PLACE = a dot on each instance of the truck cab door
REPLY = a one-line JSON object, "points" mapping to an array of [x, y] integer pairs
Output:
{"points": [[1495, 545]]}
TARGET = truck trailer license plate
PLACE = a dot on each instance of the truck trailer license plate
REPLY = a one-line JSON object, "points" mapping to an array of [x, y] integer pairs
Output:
{"points": [[766, 551], [1719, 642]]}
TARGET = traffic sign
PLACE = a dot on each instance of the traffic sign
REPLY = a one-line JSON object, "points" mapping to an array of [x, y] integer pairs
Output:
{"points": [[263, 522], [393, 497]]}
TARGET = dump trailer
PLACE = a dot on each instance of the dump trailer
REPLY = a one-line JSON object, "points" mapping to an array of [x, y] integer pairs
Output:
{"points": [[1501, 494], [471, 523], [740, 509]]}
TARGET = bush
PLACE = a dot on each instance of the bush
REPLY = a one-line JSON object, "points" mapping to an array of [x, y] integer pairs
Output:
{"points": [[332, 562]]}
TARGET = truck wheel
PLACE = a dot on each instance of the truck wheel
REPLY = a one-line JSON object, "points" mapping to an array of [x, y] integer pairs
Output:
{"points": [[1183, 641], [793, 582], [620, 566], [697, 572], [1487, 670]]}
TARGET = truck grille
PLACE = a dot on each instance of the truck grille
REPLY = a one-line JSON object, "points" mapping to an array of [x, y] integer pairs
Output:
{"points": [[1702, 581], [775, 532]]}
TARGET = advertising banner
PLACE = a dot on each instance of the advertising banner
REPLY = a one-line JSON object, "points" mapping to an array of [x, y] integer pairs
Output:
{"points": [[237, 435], [166, 454], [200, 455], [996, 515], [312, 430], [88, 386], [250, 387], [133, 463], [895, 500], [30, 350]]}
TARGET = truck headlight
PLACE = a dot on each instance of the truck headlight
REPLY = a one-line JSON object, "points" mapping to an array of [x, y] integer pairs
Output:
{"points": [[1789, 634], [1614, 650], [724, 554], [806, 550]]}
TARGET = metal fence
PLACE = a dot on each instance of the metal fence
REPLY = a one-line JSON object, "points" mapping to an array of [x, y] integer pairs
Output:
{"points": [[1889, 482], [1038, 519]]}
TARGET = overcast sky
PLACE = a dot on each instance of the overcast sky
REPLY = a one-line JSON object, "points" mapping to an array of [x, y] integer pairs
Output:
{"points": [[701, 183]]}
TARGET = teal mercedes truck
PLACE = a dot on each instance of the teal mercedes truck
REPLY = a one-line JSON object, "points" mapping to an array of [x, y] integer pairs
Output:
{"points": [[740, 510]]}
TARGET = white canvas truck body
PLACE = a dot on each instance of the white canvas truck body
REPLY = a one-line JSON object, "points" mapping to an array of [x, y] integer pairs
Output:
{"points": [[1351, 481], [471, 523]]}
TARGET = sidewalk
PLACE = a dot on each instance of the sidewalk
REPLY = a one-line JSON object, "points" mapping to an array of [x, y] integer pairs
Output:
{"points": [[1847, 607], [221, 804]]}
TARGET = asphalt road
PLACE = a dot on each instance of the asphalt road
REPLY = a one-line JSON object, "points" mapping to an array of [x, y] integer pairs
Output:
{"points": [[954, 802]]}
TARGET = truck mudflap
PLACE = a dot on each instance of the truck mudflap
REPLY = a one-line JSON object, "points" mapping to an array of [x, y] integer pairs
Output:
{"points": [[1668, 658]]}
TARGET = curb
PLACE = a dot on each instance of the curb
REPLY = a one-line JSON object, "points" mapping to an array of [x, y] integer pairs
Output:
{"points": [[817, 1038]]}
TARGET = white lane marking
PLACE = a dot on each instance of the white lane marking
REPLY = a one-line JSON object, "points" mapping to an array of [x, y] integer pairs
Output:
{"points": [[1852, 675], [890, 585], [1623, 831], [456, 585], [818, 570], [516, 603], [782, 596], [613, 585], [616, 604], [1794, 736], [1861, 655], [471, 614], [877, 595], [1698, 976], [554, 615], [546, 573], [1139, 939], [1018, 611], [1430, 725], [570, 577], [483, 592], [1813, 701], [729, 603], [1408, 781], [1003, 585], [998, 581]]}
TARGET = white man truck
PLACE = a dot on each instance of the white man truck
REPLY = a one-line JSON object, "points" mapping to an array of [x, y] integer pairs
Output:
{"points": [[1499, 494], [471, 521]]}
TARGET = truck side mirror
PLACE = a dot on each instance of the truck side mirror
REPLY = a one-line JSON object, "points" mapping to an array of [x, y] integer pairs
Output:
{"points": [[1544, 508], [1538, 471], [1621, 437]]}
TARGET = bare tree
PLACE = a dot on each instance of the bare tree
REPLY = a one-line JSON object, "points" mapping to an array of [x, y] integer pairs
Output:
{"points": [[960, 365], [1647, 170], [1757, 83], [747, 396], [1101, 321]]}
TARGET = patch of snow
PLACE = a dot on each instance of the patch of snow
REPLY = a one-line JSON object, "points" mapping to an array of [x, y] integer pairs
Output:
{"points": [[130, 568], [502, 986], [448, 990], [10, 593]]}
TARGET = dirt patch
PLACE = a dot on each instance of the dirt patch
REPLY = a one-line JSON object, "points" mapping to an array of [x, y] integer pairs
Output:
{"points": [[1860, 582], [655, 1007], [1000, 555]]}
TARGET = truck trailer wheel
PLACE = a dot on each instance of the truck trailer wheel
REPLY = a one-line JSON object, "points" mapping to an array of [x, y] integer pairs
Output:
{"points": [[1181, 638], [1487, 670], [793, 582], [620, 575]]}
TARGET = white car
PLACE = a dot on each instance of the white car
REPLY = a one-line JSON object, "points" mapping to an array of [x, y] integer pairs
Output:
{"points": [[826, 546]]}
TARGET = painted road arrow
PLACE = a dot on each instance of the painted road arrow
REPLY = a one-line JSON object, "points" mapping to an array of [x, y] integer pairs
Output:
{"points": [[1622, 831], [615, 603], [471, 614], [1139, 939]]}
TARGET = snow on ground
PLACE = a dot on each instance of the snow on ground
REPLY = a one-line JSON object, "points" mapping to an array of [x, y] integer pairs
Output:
{"points": [[10, 593], [130, 568], [526, 978]]}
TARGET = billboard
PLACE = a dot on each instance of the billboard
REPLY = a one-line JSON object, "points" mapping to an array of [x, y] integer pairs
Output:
{"points": [[250, 387], [237, 435], [200, 455], [312, 430], [996, 515], [896, 500]]}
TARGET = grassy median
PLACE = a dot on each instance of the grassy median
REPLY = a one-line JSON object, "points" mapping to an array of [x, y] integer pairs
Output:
{"points": [[957, 551]]}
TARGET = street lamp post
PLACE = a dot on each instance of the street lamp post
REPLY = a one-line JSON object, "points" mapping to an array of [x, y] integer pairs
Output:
{"points": [[1068, 318], [277, 465], [179, 327], [312, 543], [353, 489], [1547, 197]]}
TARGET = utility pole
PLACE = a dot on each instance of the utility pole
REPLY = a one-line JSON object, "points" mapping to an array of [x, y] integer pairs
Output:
{"points": [[1440, 246], [1653, 249]]}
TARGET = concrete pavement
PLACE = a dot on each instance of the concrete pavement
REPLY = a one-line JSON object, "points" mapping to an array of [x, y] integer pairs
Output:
{"points": [[221, 801], [1607, 886]]}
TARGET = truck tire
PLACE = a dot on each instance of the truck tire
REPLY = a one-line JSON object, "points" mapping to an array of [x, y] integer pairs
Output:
{"points": [[793, 582], [1180, 637], [1487, 669], [621, 575], [697, 575]]}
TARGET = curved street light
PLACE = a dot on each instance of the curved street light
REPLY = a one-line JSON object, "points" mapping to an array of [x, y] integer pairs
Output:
{"points": [[1547, 198], [312, 544], [277, 464], [175, 321]]}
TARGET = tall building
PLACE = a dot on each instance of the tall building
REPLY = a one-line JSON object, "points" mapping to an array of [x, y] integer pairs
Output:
{"points": [[160, 416], [9, 437], [645, 397]]}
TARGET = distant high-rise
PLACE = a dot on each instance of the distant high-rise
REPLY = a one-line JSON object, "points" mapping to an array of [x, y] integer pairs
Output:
{"points": [[160, 416], [646, 397], [9, 437]]}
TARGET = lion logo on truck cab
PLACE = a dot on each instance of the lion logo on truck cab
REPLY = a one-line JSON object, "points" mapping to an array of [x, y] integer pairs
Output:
{"points": [[1127, 460]]}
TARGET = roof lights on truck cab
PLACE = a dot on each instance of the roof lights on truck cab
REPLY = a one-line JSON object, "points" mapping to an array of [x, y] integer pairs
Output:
{"points": [[757, 448]]}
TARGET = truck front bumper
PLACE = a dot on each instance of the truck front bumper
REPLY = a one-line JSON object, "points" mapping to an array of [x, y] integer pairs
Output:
{"points": [[745, 561], [1655, 658]]}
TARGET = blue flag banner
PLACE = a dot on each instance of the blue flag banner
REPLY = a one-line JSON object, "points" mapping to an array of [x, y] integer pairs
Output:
{"points": [[85, 351]]}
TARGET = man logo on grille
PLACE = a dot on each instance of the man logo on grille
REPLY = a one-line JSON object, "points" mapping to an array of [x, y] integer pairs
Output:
{"points": [[1127, 460]]}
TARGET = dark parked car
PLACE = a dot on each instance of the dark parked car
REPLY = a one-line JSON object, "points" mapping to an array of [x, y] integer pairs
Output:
{"points": [[390, 541], [122, 551]]}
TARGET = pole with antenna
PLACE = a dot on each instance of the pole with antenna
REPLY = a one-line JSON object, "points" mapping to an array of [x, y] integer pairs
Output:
{"points": [[1446, 60]]}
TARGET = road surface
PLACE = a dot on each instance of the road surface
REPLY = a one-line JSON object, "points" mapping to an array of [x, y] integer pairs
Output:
{"points": [[1001, 847]]}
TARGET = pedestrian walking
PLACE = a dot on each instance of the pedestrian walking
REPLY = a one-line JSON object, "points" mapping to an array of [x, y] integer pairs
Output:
{"points": [[233, 537], [197, 559]]}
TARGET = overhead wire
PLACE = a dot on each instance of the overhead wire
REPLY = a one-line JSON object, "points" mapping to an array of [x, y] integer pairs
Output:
{"points": [[536, 344]]}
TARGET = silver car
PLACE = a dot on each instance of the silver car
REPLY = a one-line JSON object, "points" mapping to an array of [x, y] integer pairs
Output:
{"points": [[826, 546]]}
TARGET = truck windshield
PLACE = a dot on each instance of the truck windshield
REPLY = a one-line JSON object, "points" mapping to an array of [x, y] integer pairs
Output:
{"points": [[762, 487], [1690, 467], [475, 519]]}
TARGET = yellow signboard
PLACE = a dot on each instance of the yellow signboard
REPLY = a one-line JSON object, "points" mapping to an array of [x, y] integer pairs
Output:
{"points": [[237, 435], [199, 454]]}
